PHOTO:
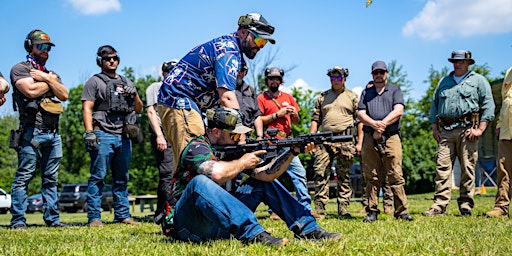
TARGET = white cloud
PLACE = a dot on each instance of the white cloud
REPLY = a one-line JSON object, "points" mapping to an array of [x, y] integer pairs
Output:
{"points": [[95, 7], [357, 90], [299, 83], [443, 18]]}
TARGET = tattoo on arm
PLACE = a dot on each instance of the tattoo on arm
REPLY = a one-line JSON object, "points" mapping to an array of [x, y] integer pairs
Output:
{"points": [[206, 168], [278, 163]]}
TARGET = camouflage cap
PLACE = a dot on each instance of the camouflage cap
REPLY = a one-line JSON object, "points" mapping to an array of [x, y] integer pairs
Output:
{"points": [[40, 37], [342, 71], [226, 118]]}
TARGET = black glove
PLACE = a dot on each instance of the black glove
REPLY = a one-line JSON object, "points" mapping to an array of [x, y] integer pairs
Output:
{"points": [[130, 90], [90, 140]]}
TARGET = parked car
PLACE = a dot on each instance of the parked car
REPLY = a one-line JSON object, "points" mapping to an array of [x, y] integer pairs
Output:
{"points": [[35, 203], [5, 202], [74, 197]]}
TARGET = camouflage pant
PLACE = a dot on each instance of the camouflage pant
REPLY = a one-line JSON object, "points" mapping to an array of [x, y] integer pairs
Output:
{"points": [[324, 157]]}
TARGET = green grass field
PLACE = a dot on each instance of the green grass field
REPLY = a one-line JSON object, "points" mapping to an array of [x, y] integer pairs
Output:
{"points": [[448, 235]]}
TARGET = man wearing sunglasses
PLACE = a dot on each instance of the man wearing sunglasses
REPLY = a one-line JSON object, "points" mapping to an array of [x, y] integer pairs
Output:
{"points": [[216, 199], [335, 110], [280, 110], [206, 76], [380, 108], [109, 102], [40, 143], [461, 109]]}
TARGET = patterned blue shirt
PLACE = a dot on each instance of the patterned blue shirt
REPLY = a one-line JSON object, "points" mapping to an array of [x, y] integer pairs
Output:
{"points": [[193, 82]]}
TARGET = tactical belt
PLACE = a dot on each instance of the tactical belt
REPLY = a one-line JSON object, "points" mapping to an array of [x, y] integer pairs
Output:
{"points": [[444, 121]]}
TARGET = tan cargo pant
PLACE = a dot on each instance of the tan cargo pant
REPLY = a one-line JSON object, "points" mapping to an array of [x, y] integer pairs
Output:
{"points": [[180, 127], [387, 193], [391, 163], [453, 144], [504, 175], [325, 154]]}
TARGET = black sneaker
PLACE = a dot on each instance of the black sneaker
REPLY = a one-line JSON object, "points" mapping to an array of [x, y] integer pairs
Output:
{"points": [[58, 225], [370, 217], [465, 212], [320, 234], [405, 216], [19, 226], [266, 238]]}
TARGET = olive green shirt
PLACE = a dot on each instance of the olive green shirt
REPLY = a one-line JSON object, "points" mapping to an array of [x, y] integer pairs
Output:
{"points": [[336, 110]]}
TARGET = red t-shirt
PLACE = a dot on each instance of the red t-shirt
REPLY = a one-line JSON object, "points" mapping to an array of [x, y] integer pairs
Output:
{"points": [[268, 107]]}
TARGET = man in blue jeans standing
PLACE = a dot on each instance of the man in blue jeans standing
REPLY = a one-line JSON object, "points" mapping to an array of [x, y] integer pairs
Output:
{"points": [[37, 93], [206, 209], [109, 102]]}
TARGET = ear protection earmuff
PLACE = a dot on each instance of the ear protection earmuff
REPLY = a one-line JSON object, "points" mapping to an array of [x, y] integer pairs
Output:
{"points": [[108, 49], [28, 40], [267, 72]]}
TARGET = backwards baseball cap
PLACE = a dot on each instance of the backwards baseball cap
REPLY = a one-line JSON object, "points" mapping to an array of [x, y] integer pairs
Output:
{"points": [[379, 65], [167, 66], [40, 37], [257, 24], [226, 118], [342, 71], [461, 55]]}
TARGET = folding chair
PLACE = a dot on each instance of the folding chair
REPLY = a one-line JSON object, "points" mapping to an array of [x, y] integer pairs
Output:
{"points": [[487, 167]]}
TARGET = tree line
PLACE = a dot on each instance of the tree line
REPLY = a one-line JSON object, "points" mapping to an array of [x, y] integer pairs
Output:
{"points": [[419, 147]]}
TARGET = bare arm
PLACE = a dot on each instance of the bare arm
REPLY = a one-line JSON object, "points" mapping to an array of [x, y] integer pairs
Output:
{"points": [[138, 104], [52, 81], [161, 143], [30, 88], [258, 125], [360, 137], [223, 171], [228, 98], [394, 115], [313, 128], [87, 114]]}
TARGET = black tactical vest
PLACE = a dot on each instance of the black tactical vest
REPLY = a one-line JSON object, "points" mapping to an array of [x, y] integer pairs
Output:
{"points": [[115, 101]]}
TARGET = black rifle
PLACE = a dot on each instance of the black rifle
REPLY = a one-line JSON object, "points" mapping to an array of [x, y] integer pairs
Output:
{"points": [[273, 145]]}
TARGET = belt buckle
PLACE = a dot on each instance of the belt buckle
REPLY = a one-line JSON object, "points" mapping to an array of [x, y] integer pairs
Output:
{"points": [[282, 134]]}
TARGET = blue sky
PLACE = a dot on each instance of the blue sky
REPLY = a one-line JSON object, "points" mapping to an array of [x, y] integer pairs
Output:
{"points": [[311, 36]]}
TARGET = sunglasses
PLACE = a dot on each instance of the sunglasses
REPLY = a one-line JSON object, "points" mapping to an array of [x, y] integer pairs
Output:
{"points": [[260, 42], [43, 47], [234, 136], [274, 78], [378, 72], [334, 78], [106, 58]]}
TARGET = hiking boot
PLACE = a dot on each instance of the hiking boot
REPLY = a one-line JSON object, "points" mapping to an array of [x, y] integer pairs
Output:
{"points": [[320, 234], [96, 223], [266, 238], [465, 212], [432, 212], [405, 216], [370, 217], [496, 213], [317, 215], [343, 211], [274, 216], [130, 221], [19, 226], [58, 225], [388, 210]]}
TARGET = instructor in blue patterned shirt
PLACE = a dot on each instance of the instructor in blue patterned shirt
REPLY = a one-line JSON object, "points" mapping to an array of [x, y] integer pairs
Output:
{"points": [[206, 75]]}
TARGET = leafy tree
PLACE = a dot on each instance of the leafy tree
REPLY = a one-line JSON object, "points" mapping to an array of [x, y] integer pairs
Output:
{"points": [[8, 156]]}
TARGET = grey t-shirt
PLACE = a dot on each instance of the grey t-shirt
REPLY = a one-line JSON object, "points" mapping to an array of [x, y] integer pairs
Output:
{"points": [[95, 89], [43, 119], [379, 106]]}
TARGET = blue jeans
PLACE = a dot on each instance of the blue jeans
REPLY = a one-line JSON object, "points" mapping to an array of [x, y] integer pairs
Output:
{"points": [[113, 151], [298, 175], [206, 211], [46, 148]]}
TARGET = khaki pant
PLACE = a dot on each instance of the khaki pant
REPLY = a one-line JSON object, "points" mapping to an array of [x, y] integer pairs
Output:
{"points": [[180, 127], [504, 175], [387, 194], [391, 164], [324, 156], [455, 144]]}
